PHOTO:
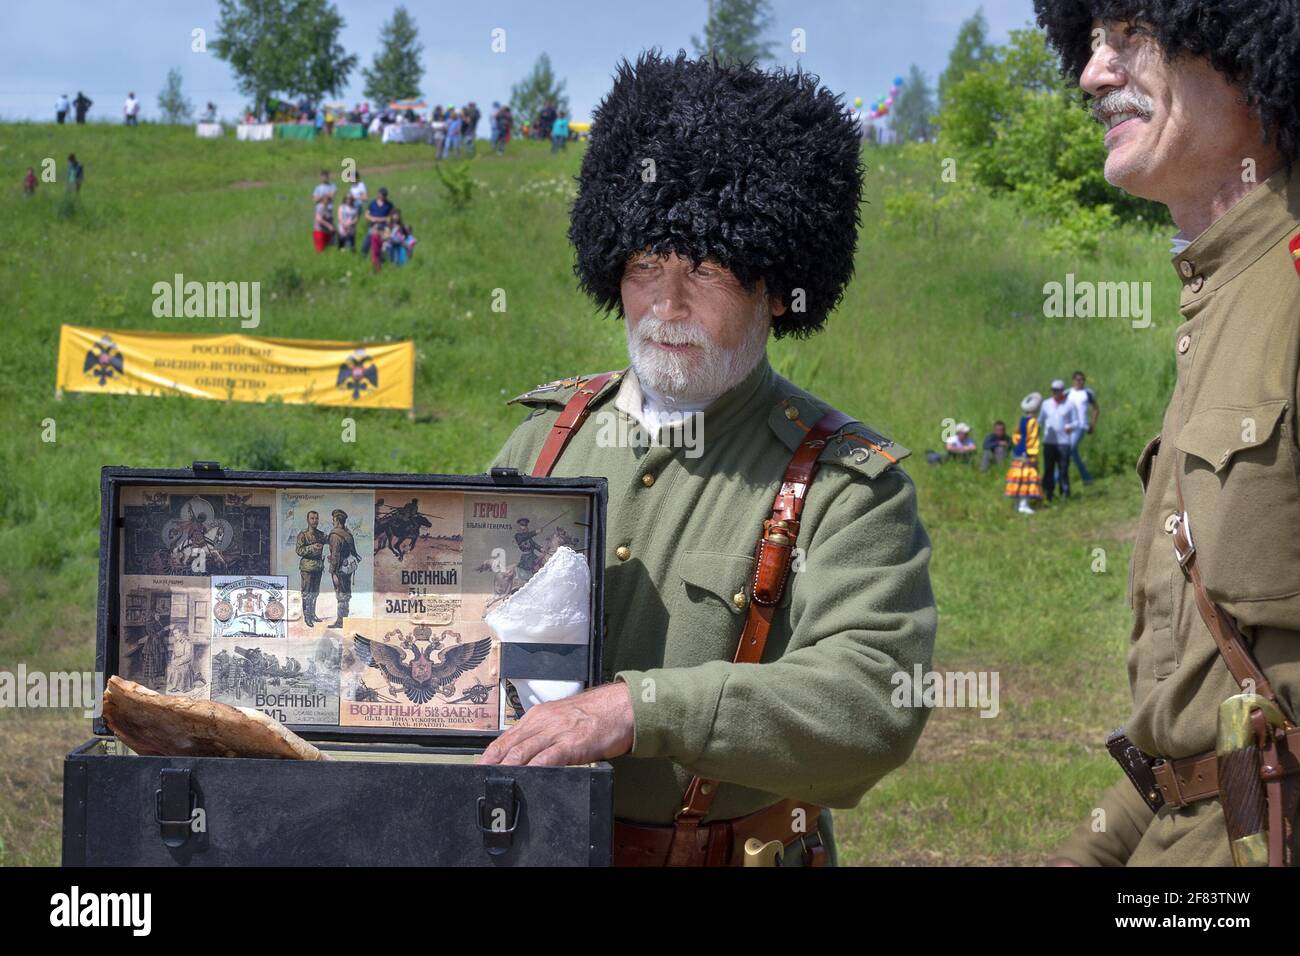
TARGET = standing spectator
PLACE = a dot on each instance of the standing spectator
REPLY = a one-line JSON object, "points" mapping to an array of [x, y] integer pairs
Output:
{"points": [[323, 224], [377, 218], [329, 120], [400, 242], [318, 117], [1059, 420], [1022, 477], [81, 104], [358, 193], [560, 132], [324, 189], [996, 445], [504, 122], [546, 120], [76, 173], [1084, 400], [454, 126], [61, 107], [29, 182], [347, 224], [494, 123], [959, 446], [131, 109], [469, 129], [210, 114]]}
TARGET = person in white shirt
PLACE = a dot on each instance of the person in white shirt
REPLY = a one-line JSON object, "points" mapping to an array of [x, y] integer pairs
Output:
{"points": [[959, 445], [324, 189], [1058, 420], [1085, 401], [131, 109], [61, 107]]}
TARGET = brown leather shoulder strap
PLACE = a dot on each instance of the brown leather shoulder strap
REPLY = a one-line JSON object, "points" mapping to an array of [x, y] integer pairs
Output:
{"points": [[1231, 643], [570, 420], [771, 569]]}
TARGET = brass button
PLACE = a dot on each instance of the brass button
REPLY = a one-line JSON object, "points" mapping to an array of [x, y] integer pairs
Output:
{"points": [[648, 480], [1171, 523], [623, 552], [1184, 344], [1186, 268], [1223, 459], [740, 599], [1197, 283], [791, 412]]}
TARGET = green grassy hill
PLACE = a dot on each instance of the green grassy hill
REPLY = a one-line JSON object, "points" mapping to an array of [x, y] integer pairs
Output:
{"points": [[944, 321]]}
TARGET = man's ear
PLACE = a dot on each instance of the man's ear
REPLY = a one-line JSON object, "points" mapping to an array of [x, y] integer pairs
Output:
{"points": [[778, 306]]}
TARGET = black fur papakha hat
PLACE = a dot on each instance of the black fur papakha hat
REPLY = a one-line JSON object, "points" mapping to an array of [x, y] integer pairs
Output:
{"points": [[1254, 43], [758, 170]]}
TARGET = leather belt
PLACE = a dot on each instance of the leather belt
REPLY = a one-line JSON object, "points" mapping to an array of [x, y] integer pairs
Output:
{"points": [[721, 842], [1191, 779]]}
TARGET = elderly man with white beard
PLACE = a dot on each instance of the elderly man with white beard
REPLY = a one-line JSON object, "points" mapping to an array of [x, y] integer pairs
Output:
{"points": [[767, 582]]}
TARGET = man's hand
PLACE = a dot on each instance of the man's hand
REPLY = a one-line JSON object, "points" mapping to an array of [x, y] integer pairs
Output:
{"points": [[594, 725]]}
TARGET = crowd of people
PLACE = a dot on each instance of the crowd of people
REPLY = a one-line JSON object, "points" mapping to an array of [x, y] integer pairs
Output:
{"points": [[386, 236], [1051, 429]]}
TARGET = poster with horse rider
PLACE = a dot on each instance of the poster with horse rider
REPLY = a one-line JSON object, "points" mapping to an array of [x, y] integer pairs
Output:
{"points": [[417, 553]]}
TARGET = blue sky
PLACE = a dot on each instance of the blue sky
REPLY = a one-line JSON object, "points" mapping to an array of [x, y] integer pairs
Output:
{"points": [[107, 49]]}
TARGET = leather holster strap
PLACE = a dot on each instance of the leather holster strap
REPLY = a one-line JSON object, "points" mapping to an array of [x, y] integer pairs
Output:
{"points": [[1224, 630], [771, 568], [1183, 782], [719, 842], [571, 418]]}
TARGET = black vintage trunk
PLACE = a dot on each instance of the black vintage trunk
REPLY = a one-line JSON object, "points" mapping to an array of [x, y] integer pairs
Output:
{"points": [[400, 797], [420, 811]]}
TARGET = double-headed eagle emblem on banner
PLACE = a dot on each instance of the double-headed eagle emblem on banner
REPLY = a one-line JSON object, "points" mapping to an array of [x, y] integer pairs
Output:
{"points": [[103, 360], [358, 372]]}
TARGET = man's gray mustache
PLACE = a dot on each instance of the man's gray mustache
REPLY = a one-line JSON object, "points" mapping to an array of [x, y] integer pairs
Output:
{"points": [[1121, 101]]}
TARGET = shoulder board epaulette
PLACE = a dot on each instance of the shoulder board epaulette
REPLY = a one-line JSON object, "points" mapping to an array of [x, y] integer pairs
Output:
{"points": [[559, 391], [855, 446]]}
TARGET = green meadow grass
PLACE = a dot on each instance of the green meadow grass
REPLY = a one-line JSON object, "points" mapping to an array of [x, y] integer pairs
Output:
{"points": [[943, 321]]}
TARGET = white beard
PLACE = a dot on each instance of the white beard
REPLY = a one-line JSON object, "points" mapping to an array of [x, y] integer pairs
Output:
{"points": [[702, 375]]}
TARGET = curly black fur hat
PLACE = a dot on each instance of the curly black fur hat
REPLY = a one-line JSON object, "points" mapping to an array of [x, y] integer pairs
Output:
{"points": [[1254, 43], [758, 170]]}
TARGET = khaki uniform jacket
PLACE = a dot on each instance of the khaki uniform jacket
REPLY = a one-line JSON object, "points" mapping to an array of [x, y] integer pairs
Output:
{"points": [[813, 721], [1230, 430], [310, 560]]}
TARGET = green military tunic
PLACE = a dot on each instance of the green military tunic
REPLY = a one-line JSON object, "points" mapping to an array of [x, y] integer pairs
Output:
{"points": [[1231, 430], [813, 721]]}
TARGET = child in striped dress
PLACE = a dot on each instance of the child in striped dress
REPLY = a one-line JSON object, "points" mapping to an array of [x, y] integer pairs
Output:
{"points": [[1022, 477]]}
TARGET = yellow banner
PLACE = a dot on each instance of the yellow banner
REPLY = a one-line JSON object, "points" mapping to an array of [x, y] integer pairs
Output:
{"points": [[235, 367]]}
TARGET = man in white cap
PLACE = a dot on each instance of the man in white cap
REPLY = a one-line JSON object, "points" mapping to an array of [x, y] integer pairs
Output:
{"points": [[1059, 420], [959, 444]]}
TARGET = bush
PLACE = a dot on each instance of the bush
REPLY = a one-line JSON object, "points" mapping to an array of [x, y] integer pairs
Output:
{"points": [[457, 183], [286, 281], [1017, 126]]}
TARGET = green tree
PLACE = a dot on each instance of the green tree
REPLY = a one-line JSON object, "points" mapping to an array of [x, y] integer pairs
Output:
{"points": [[734, 31], [912, 116], [1014, 124], [283, 46], [529, 95], [397, 71], [969, 51], [173, 105]]}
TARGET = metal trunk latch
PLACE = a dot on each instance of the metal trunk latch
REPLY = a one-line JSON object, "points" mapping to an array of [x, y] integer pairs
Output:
{"points": [[174, 805], [498, 814]]}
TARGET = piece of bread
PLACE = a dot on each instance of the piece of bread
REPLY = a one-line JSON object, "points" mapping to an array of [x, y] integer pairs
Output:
{"points": [[159, 725]]}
